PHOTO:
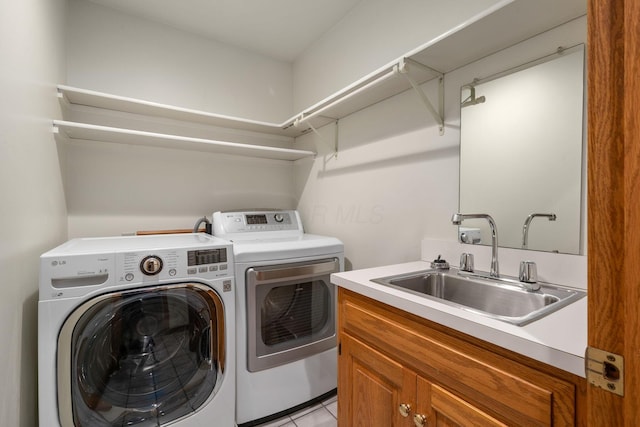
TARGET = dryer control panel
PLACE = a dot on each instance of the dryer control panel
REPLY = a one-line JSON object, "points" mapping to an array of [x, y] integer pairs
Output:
{"points": [[239, 222]]}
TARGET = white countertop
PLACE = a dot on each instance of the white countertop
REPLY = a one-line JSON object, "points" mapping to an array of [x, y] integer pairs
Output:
{"points": [[558, 339]]}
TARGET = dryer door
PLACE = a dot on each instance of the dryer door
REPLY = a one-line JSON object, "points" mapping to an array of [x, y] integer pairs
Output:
{"points": [[290, 312], [144, 357]]}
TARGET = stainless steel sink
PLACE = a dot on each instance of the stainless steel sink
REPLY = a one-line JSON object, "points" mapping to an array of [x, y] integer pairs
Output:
{"points": [[499, 298]]}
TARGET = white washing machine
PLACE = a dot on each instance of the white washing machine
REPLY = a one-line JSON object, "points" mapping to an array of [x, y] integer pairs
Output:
{"points": [[285, 312], [137, 331]]}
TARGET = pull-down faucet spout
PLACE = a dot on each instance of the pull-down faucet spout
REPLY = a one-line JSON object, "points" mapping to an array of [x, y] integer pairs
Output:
{"points": [[527, 222], [457, 219]]}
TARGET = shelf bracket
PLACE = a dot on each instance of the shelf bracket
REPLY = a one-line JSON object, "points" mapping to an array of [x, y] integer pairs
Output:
{"points": [[333, 146], [438, 114], [63, 99]]}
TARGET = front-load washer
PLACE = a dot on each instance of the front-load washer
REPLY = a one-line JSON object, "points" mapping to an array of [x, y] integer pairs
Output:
{"points": [[137, 331], [285, 312]]}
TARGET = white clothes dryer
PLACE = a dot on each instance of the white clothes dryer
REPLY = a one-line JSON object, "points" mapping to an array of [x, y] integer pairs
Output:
{"points": [[137, 331], [285, 312]]}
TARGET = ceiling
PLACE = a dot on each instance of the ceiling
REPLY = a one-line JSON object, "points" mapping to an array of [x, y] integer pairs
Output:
{"points": [[280, 29]]}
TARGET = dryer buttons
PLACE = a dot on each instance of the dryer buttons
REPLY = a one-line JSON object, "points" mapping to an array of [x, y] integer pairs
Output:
{"points": [[151, 265]]}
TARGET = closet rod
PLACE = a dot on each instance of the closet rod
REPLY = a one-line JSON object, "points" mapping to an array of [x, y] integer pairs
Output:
{"points": [[391, 73]]}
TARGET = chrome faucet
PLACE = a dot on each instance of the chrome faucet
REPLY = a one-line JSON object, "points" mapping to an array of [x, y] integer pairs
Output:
{"points": [[457, 219], [527, 222]]}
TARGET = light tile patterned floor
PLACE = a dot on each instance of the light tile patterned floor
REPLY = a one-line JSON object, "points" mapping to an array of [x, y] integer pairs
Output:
{"points": [[319, 415]]}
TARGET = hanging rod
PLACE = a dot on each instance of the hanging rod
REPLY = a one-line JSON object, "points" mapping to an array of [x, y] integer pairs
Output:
{"points": [[306, 116], [401, 67]]}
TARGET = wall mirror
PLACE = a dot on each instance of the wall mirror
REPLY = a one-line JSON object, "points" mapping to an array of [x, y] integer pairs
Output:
{"points": [[521, 155]]}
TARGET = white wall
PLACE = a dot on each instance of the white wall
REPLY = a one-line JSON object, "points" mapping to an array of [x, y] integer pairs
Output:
{"points": [[395, 180], [115, 53], [32, 208], [372, 34], [113, 189]]}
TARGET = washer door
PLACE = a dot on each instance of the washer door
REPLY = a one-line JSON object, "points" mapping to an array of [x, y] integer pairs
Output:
{"points": [[145, 357]]}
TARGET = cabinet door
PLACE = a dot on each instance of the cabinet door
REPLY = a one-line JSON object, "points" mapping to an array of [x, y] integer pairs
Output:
{"points": [[441, 408], [372, 388]]}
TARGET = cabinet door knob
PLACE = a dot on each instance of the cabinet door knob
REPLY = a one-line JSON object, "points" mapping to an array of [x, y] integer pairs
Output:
{"points": [[404, 409], [419, 420]]}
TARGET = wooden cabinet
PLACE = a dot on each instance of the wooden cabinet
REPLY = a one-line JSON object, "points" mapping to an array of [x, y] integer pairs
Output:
{"points": [[393, 364], [378, 385], [382, 392]]}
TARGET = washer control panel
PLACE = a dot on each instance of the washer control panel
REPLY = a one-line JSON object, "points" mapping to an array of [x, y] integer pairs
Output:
{"points": [[225, 223], [84, 265], [167, 264], [206, 256]]}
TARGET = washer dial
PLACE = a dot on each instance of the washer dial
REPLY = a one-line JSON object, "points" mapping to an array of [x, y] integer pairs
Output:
{"points": [[151, 265], [278, 217]]}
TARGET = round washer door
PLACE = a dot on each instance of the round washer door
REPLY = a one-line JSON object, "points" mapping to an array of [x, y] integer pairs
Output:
{"points": [[144, 357]]}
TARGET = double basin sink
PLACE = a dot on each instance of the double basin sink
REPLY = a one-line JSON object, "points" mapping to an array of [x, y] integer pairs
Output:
{"points": [[504, 299]]}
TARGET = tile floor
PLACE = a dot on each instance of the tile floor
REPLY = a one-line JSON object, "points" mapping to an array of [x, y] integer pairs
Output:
{"points": [[319, 415]]}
